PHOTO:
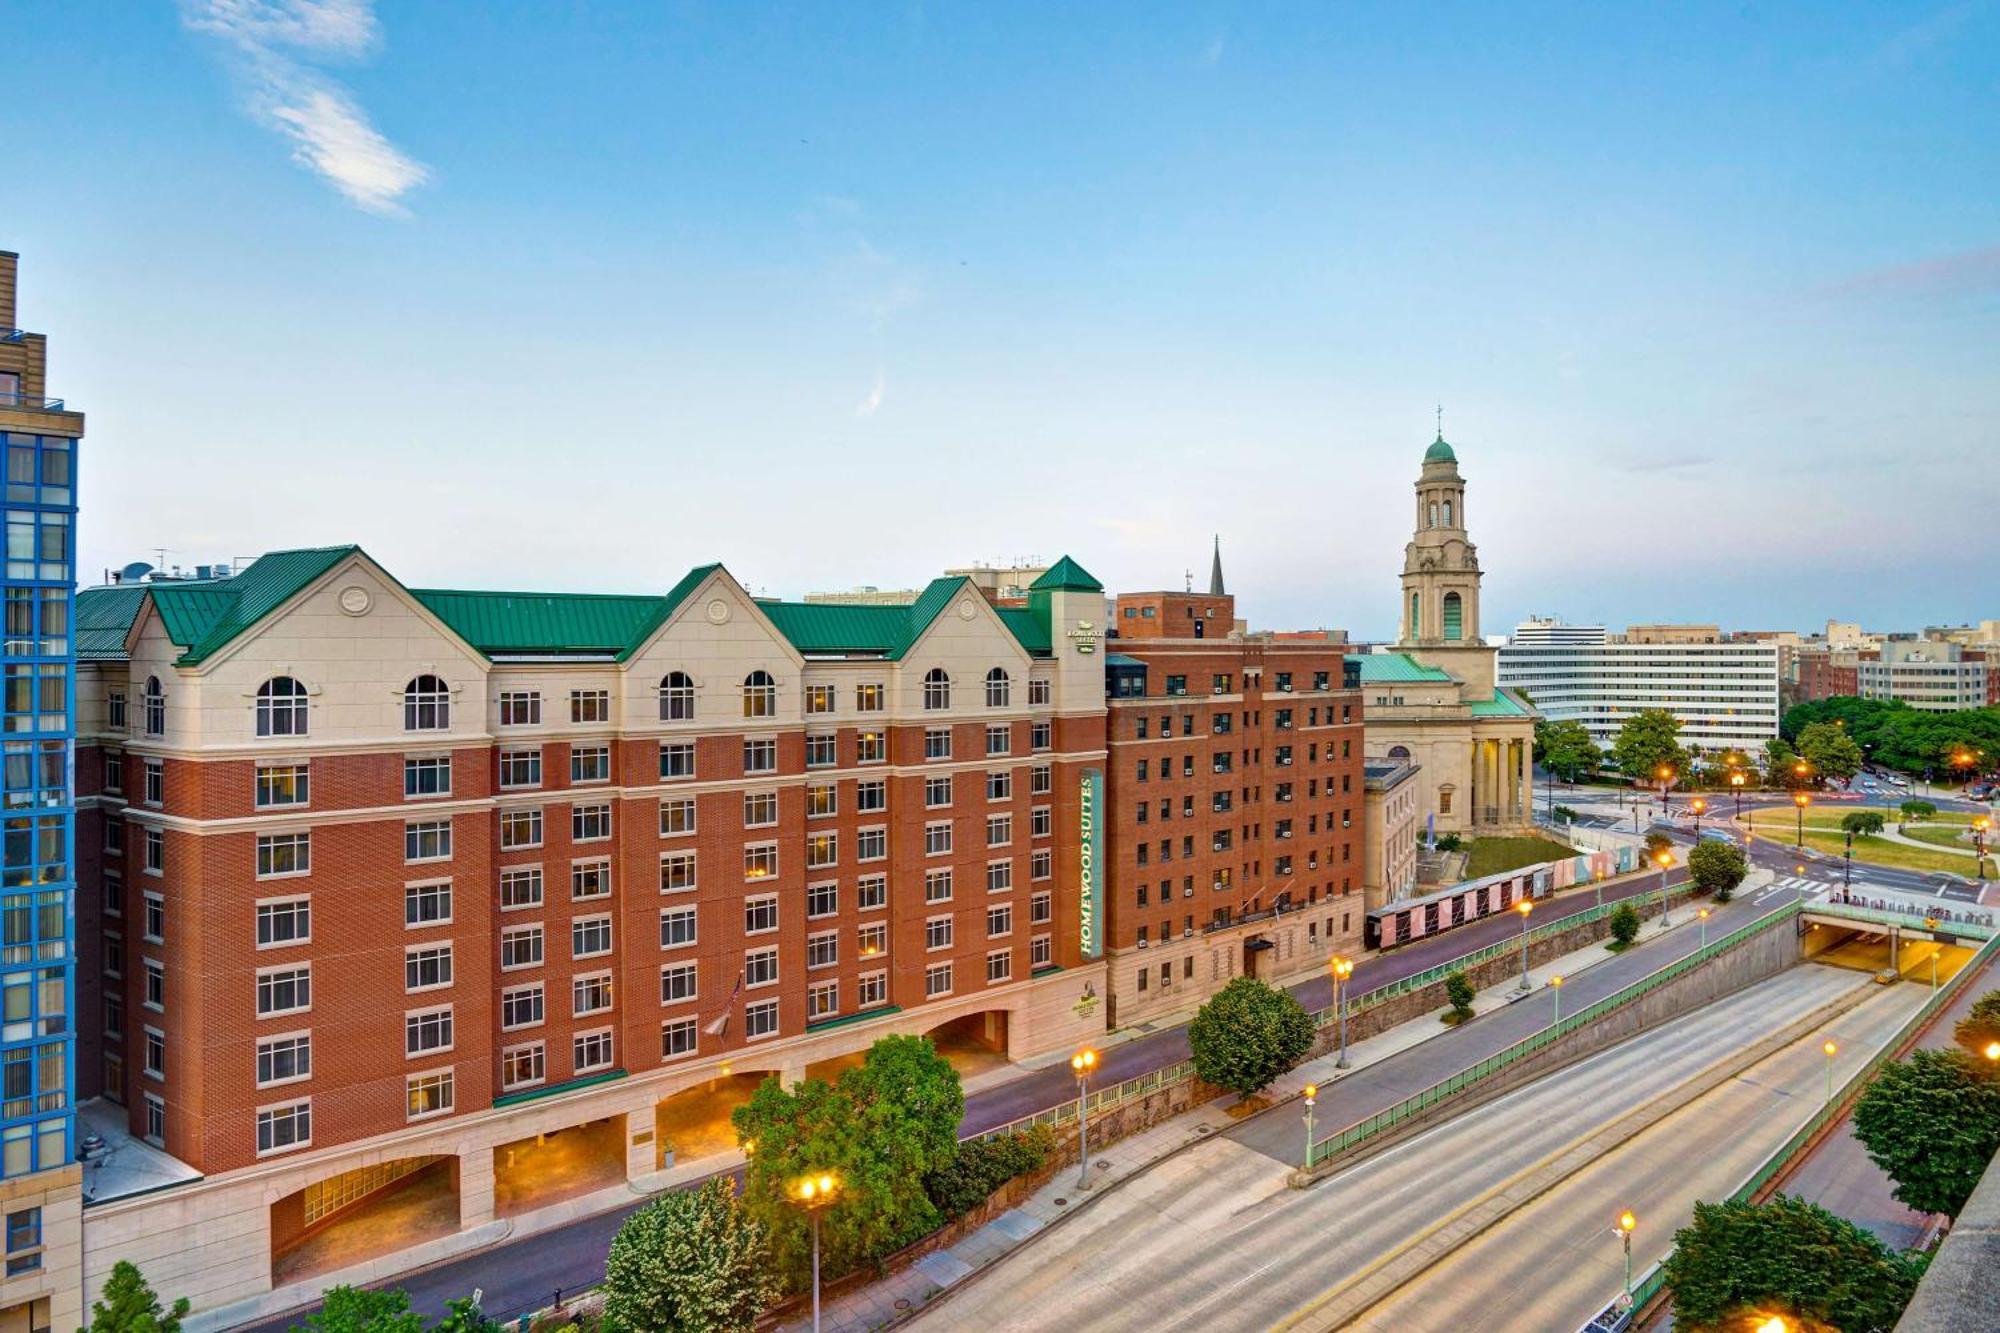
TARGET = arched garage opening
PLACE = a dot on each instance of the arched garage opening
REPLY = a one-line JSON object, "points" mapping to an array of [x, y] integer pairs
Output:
{"points": [[694, 1122], [974, 1043], [360, 1214]]}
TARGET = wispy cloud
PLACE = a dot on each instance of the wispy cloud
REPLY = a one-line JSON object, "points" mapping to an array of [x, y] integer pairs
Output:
{"points": [[1966, 272], [275, 45], [872, 404]]}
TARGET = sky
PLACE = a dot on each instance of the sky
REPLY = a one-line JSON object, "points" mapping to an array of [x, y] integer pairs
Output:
{"points": [[576, 294]]}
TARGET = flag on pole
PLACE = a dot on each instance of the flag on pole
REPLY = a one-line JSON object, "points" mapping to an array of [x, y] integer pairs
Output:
{"points": [[720, 1026]]}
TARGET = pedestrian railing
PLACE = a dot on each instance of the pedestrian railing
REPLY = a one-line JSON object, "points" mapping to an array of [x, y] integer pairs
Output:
{"points": [[1945, 922], [1418, 1104], [1416, 981], [1099, 1099], [1654, 1280]]}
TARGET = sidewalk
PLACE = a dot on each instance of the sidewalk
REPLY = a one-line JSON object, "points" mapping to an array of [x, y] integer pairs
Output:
{"points": [[902, 1294]]}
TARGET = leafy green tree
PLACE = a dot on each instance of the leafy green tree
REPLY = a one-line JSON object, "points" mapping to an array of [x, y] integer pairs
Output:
{"points": [[1781, 765], [1566, 749], [692, 1261], [463, 1316], [1916, 812], [1786, 1256], [1625, 924], [128, 1305], [1862, 823], [1933, 1123], [1649, 739], [983, 1166], [1458, 991], [359, 1310], [1980, 1027], [1717, 867], [1658, 844], [881, 1129], [1247, 1034], [1830, 751]]}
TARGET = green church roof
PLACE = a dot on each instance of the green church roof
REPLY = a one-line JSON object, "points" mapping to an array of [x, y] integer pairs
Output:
{"points": [[1440, 452], [1065, 575], [1397, 669]]}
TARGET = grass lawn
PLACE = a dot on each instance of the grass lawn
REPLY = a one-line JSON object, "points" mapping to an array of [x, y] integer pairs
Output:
{"points": [[1490, 856], [1939, 836], [1823, 834]]}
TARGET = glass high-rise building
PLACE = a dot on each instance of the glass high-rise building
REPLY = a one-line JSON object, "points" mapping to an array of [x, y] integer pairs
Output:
{"points": [[40, 1196]]}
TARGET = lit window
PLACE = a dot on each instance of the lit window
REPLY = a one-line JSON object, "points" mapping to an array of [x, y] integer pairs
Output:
{"points": [[281, 707]]}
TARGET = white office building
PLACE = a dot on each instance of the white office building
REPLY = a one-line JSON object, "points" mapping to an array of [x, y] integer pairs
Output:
{"points": [[1543, 630], [1927, 674], [1725, 693]]}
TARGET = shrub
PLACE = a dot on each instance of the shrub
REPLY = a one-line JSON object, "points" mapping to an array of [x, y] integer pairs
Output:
{"points": [[357, 1310], [1625, 924], [983, 1166], [1247, 1034], [128, 1305], [1717, 868], [1459, 992], [692, 1261]]}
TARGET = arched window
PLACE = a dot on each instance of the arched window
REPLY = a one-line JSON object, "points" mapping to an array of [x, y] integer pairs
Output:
{"points": [[937, 689], [999, 689], [281, 707], [1399, 752], [1454, 617], [1416, 620], [760, 695], [154, 706], [426, 705], [677, 697], [1447, 513], [1433, 520]]}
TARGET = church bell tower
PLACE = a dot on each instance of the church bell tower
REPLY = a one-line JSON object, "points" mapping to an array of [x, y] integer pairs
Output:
{"points": [[1440, 564]]}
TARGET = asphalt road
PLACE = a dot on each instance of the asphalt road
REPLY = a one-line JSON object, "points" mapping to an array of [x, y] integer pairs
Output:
{"points": [[1213, 1237], [1703, 1151]]}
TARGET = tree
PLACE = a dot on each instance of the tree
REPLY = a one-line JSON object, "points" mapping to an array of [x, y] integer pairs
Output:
{"points": [[463, 1316], [983, 1166], [1788, 1256], [692, 1261], [1247, 1034], [1980, 1026], [1458, 990], [1918, 811], [1830, 751], [1625, 924], [1862, 823], [1781, 765], [886, 1125], [1933, 1123], [1658, 844], [1717, 867], [1648, 739], [1566, 749], [128, 1305], [358, 1310]]}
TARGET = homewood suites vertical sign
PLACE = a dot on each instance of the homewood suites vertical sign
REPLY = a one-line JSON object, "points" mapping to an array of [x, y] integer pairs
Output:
{"points": [[1090, 895]]}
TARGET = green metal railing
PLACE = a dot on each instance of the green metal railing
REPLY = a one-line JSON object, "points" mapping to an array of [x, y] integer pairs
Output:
{"points": [[1891, 917], [1416, 981], [1654, 1280], [1099, 1099], [1419, 1103]]}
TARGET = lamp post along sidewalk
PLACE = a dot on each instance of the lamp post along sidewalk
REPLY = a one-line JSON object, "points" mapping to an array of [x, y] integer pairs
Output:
{"points": [[1312, 1096], [1343, 968], [1663, 860], [1082, 1063], [1556, 988], [1524, 907], [1626, 1224], [814, 1194]]}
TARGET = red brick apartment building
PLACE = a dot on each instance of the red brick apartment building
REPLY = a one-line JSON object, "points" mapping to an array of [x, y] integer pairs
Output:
{"points": [[496, 900], [1235, 787]]}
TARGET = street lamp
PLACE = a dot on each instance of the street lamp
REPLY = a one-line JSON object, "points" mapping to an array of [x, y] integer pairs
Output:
{"points": [[1697, 805], [1082, 1063], [1703, 914], [1556, 985], [1979, 827], [1931, 923], [1736, 785], [1664, 859], [1312, 1096], [815, 1193], [1624, 1229], [1524, 907], [1847, 863], [1992, 1051], [1775, 1324], [1665, 773], [1831, 1051], [1597, 881], [1801, 800], [1343, 968]]}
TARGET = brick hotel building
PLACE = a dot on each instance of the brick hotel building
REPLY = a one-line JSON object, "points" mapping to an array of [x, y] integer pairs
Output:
{"points": [[464, 896], [1235, 785]]}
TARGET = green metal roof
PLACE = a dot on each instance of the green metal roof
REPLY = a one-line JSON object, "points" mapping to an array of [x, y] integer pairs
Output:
{"points": [[204, 616], [103, 617], [824, 627], [1065, 575], [1502, 704], [557, 622], [1397, 668], [1440, 452]]}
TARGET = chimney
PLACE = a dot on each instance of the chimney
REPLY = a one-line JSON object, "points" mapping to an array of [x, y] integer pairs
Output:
{"points": [[9, 265]]}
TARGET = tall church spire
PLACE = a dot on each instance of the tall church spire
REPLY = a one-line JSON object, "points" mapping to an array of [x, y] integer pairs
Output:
{"points": [[1440, 563], [1215, 588]]}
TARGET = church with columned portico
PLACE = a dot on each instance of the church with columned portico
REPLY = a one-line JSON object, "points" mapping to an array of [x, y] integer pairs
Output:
{"points": [[1431, 698]]}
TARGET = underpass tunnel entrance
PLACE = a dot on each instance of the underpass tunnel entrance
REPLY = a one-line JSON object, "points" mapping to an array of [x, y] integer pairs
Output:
{"points": [[559, 1164], [361, 1214], [1888, 953]]}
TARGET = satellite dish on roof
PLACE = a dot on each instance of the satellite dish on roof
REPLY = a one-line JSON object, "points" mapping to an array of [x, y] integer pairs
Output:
{"points": [[135, 572]]}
